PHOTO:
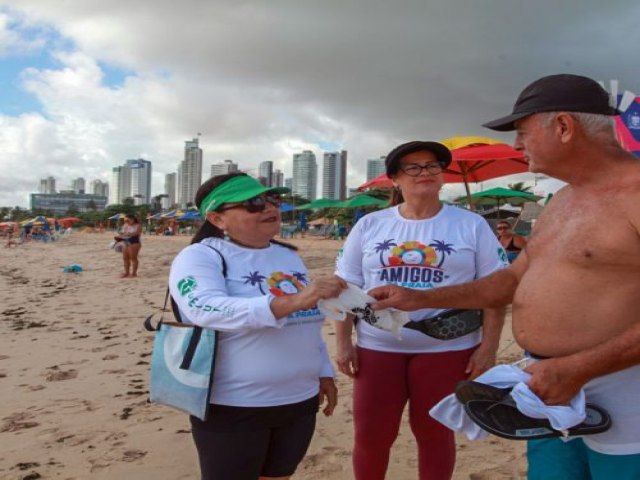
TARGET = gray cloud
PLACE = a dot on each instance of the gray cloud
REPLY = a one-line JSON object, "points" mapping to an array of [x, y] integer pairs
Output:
{"points": [[259, 79]]}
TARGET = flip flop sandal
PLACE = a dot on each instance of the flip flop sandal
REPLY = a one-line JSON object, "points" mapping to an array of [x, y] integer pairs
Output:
{"points": [[503, 419], [467, 390]]}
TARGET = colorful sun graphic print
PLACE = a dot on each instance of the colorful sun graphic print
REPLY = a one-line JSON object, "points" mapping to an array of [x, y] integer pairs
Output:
{"points": [[412, 253], [281, 284]]}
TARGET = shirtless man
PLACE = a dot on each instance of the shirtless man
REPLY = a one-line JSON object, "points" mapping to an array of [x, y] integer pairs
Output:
{"points": [[575, 288]]}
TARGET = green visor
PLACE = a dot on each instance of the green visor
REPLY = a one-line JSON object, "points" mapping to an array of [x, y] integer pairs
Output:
{"points": [[237, 189]]}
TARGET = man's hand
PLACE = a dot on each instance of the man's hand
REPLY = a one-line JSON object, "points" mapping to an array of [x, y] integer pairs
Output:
{"points": [[328, 392], [481, 360], [391, 296], [555, 380], [347, 358]]}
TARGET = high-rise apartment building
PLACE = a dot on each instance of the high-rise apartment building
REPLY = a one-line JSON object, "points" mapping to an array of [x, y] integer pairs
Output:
{"points": [[100, 188], [131, 180], [170, 190], [277, 178], [305, 175], [375, 167], [140, 183], [117, 185], [288, 182], [190, 172], [222, 168], [78, 185], [265, 173], [47, 185], [334, 175]]}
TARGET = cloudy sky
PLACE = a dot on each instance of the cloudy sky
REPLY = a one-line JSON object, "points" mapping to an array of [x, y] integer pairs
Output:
{"points": [[87, 84]]}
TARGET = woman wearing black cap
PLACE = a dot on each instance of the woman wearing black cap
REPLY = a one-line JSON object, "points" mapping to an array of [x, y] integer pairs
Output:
{"points": [[272, 369], [418, 243]]}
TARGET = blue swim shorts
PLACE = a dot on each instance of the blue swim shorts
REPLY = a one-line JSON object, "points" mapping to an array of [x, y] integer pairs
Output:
{"points": [[554, 459]]}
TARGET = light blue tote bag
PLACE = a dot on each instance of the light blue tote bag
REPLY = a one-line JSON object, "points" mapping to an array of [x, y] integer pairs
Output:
{"points": [[183, 361], [182, 366]]}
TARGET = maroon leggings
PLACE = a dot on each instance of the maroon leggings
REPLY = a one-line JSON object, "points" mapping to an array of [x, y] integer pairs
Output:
{"points": [[384, 383]]}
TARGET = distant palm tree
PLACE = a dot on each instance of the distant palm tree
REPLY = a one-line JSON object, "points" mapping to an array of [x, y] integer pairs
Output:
{"points": [[300, 276], [519, 187], [255, 278], [383, 247], [443, 248]]}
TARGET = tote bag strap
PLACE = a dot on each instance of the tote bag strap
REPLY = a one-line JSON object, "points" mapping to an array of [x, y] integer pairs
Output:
{"points": [[197, 331], [147, 322]]}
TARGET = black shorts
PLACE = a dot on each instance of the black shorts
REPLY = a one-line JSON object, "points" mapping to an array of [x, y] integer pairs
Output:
{"points": [[243, 443]]}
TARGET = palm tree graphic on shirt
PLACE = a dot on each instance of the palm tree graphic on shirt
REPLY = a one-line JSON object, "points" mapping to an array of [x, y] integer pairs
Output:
{"points": [[383, 247], [255, 278], [300, 276], [443, 248]]}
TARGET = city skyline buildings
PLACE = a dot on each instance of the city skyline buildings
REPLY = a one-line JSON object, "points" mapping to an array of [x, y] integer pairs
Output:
{"points": [[78, 185], [98, 187], [375, 167], [131, 180], [170, 190], [305, 175], [190, 172], [224, 167], [140, 171], [265, 173], [47, 185], [277, 179], [334, 175]]}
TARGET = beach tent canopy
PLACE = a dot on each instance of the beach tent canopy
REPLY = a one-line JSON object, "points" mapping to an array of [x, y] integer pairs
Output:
{"points": [[361, 201], [117, 216], [286, 207], [320, 203], [39, 220], [173, 213], [495, 196], [189, 215]]}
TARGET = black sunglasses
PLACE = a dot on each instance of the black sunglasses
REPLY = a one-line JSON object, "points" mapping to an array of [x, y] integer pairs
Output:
{"points": [[255, 204]]}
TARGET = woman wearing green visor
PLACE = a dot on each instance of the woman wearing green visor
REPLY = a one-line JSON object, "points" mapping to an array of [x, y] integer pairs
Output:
{"points": [[272, 367]]}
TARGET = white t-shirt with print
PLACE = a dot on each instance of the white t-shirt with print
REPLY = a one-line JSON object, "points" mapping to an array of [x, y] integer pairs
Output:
{"points": [[261, 360], [383, 248]]}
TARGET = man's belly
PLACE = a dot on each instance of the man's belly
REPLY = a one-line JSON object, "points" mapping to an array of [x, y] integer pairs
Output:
{"points": [[564, 312]]}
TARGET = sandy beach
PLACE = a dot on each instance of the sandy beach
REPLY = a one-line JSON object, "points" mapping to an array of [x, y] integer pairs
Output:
{"points": [[74, 364]]}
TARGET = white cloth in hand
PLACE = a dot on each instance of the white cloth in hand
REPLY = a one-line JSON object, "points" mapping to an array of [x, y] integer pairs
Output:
{"points": [[355, 301], [451, 413]]}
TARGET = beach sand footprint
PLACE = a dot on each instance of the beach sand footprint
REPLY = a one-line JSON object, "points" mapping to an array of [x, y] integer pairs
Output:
{"points": [[133, 455], [17, 421], [57, 375]]}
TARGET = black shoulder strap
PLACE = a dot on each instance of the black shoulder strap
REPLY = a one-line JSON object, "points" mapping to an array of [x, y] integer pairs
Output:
{"points": [[174, 305]]}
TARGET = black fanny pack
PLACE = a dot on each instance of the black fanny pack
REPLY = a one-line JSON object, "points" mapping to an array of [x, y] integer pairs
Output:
{"points": [[449, 325]]}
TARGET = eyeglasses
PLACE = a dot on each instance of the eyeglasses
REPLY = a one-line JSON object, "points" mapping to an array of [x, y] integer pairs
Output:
{"points": [[503, 228], [414, 170], [255, 204]]}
